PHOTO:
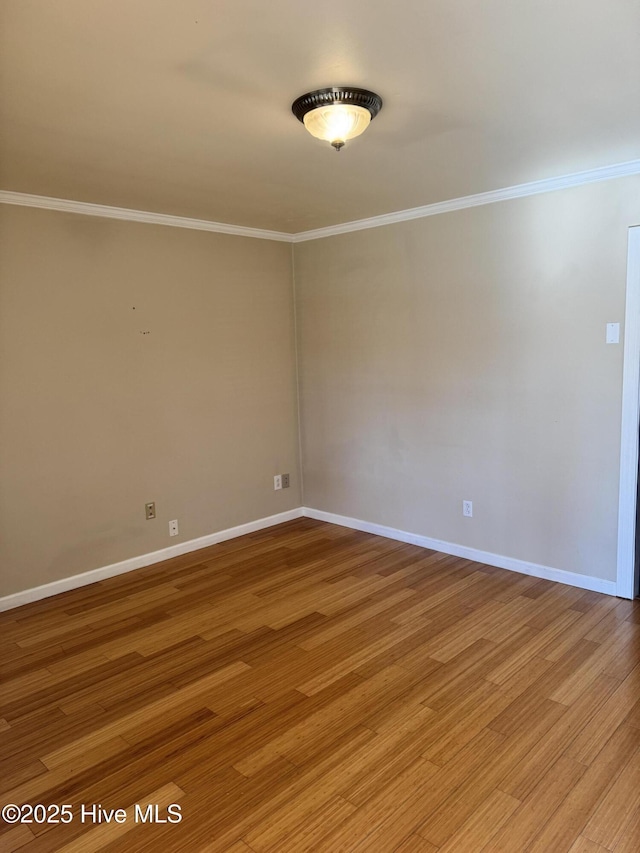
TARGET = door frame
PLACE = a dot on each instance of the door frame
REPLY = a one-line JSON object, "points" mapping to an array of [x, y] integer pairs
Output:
{"points": [[626, 580]]}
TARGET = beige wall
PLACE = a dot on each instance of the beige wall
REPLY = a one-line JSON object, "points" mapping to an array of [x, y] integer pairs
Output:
{"points": [[455, 357], [463, 356], [97, 418]]}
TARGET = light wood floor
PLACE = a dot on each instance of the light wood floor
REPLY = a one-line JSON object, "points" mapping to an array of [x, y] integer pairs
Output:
{"points": [[311, 688]]}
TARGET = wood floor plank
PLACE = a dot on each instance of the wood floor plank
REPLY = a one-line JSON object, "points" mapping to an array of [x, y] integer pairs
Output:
{"points": [[628, 843], [359, 614], [584, 845], [374, 825], [612, 713], [528, 652], [313, 688], [606, 824], [385, 757], [570, 819], [415, 844], [304, 833], [447, 814], [524, 775], [147, 715], [538, 807], [607, 651], [485, 822], [16, 838], [582, 627]]}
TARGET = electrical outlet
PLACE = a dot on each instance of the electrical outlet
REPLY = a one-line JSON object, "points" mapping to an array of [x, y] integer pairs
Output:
{"points": [[150, 510], [285, 481], [277, 482], [173, 527], [467, 508]]}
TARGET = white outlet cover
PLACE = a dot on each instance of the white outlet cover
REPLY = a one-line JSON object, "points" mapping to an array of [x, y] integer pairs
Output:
{"points": [[613, 333]]}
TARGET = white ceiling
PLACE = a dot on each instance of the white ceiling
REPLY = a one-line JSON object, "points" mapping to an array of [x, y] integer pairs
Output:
{"points": [[183, 106]]}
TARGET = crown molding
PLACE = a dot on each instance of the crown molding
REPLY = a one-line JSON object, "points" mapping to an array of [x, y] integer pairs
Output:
{"points": [[125, 213], [604, 173]]}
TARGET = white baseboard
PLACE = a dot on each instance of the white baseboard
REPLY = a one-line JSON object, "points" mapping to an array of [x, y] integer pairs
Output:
{"points": [[53, 588], [514, 565]]}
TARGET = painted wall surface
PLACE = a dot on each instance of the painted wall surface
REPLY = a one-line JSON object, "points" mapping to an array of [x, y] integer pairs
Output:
{"points": [[137, 363], [463, 356]]}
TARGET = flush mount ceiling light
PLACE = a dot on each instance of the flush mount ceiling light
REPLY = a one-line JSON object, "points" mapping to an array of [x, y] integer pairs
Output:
{"points": [[338, 113]]}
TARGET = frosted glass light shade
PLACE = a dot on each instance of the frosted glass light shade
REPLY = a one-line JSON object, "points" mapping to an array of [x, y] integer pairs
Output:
{"points": [[337, 113], [336, 123]]}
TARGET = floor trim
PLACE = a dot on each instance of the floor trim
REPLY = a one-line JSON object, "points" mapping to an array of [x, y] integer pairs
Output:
{"points": [[19, 598], [486, 557]]}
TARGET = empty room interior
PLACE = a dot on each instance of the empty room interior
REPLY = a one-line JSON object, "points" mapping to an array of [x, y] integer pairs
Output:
{"points": [[319, 382]]}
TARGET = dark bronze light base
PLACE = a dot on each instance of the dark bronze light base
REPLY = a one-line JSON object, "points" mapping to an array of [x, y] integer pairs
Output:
{"points": [[336, 95]]}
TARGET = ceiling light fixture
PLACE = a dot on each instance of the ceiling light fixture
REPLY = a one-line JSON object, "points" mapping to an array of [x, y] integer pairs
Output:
{"points": [[338, 113]]}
